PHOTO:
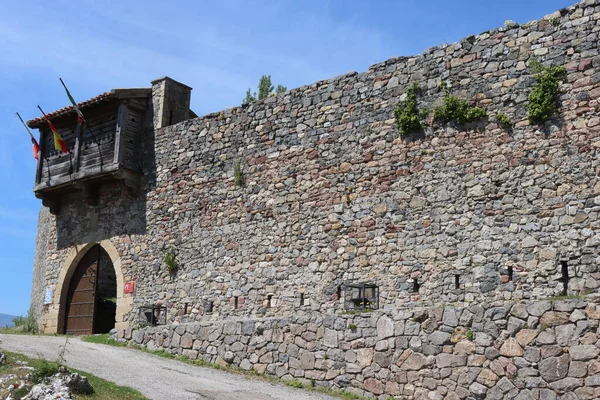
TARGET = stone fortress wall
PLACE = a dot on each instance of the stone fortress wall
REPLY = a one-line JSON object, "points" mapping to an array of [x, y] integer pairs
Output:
{"points": [[331, 195]]}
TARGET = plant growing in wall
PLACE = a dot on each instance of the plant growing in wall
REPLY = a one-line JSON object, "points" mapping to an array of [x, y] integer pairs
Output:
{"points": [[544, 97], [171, 261], [456, 109], [238, 174], [503, 120], [265, 89], [408, 116]]}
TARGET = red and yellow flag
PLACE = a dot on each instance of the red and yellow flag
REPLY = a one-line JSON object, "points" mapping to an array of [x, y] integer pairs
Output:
{"points": [[59, 143]]}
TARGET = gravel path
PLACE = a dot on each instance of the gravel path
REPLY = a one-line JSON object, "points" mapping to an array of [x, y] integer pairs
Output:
{"points": [[155, 377]]}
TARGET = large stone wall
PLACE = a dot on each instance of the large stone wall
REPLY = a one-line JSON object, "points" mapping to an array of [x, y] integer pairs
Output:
{"points": [[332, 195], [535, 350]]}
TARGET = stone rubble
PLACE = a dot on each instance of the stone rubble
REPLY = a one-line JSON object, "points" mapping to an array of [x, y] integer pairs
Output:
{"points": [[60, 386]]}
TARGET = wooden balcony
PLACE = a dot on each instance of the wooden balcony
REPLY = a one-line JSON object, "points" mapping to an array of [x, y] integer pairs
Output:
{"points": [[107, 147]]}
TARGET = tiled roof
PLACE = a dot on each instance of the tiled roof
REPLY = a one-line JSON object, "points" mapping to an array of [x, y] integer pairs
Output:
{"points": [[113, 94], [34, 123]]}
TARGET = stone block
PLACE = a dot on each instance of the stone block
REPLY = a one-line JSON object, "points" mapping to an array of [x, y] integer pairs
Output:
{"points": [[439, 338], [385, 327], [554, 368], [584, 353], [413, 362], [330, 338], [526, 336], [450, 360], [511, 348]]}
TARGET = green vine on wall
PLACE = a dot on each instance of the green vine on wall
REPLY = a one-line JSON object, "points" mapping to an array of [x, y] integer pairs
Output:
{"points": [[171, 261], [544, 97], [408, 116], [456, 109], [238, 174]]}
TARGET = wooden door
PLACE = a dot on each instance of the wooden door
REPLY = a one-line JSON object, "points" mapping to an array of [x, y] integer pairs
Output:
{"points": [[81, 298]]}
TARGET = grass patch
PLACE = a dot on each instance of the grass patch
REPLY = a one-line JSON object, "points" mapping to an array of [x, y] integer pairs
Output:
{"points": [[103, 338], [17, 364], [106, 340], [105, 390]]}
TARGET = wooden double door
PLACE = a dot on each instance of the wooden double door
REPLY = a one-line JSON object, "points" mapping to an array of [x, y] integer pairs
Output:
{"points": [[80, 311]]}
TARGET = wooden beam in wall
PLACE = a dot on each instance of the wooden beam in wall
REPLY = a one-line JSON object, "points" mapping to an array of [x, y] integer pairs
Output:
{"points": [[77, 147], [122, 116]]}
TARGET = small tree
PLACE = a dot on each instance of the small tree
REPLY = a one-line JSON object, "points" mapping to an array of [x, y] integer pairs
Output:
{"points": [[249, 97], [265, 88]]}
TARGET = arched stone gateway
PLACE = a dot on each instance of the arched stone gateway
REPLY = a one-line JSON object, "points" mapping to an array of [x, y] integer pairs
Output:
{"points": [[89, 294]]}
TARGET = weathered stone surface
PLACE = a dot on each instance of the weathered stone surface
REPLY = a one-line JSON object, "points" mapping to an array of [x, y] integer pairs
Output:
{"points": [[307, 360], [487, 377], [187, 340], [511, 348], [526, 336], [553, 318], [414, 362], [330, 338], [478, 390], [593, 380], [538, 308], [385, 327], [450, 360], [373, 385], [583, 353], [439, 338], [364, 356], [566, 385], [554, 368]]}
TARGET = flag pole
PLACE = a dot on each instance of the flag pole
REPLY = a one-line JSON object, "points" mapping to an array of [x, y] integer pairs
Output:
{"points": [[79, 113], [34, 142], [25, 125], [55, 133]]}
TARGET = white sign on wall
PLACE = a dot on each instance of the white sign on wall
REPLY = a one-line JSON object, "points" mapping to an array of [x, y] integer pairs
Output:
{"points": [[48, 296]]}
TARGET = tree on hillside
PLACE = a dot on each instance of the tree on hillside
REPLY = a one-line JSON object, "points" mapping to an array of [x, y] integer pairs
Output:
{"points": [[265, 88]]}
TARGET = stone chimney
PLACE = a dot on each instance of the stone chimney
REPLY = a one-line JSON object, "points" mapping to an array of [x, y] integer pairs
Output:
{"points": [[170, 102]]}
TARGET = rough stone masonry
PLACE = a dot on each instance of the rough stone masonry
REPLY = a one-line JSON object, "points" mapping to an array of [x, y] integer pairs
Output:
{"points": [[463, 216]]}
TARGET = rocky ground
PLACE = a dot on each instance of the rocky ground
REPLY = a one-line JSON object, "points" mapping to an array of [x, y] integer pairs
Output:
{"points": [[19, 380]]}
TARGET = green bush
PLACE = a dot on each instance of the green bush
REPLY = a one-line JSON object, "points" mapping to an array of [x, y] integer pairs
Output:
{"points": [[26, 324], [408, 116], [503, 120], [544, 97], [43, 369], [456, 109]]}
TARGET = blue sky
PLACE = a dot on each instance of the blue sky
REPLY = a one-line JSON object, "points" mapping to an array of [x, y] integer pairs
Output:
{"points": [[220, 48]]}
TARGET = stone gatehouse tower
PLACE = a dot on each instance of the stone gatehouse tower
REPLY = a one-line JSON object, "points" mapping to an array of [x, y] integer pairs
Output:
{"points": [[281, 206]]}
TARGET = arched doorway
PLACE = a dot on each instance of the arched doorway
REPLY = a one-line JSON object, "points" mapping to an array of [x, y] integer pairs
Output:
{"points": [[92, 295]]}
